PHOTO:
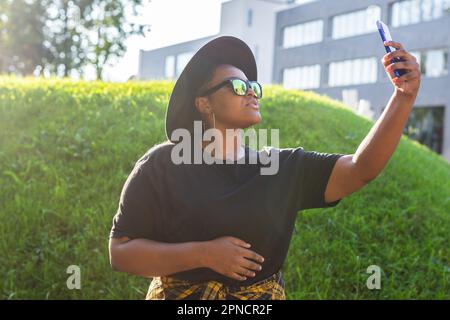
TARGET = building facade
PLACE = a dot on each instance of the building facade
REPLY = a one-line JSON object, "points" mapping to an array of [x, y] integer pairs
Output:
{"points": [[333, 48], [253, 21]]}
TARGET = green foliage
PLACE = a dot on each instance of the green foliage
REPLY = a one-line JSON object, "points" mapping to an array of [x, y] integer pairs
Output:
{"points": [[63, 38], [22, 36], [66, 148]]}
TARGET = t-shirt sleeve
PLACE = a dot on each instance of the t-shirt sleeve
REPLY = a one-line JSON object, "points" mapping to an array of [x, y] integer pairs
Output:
{"points": [[137, 215], [311, 171]]}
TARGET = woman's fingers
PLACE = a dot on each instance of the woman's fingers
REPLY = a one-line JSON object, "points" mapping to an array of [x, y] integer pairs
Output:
{"points": [[252, 255], [240, 243], [400, 55], [250, 265], [400, 59], [408, 65], [408, 76], [237, 276], [245, 272], [394, 44]]}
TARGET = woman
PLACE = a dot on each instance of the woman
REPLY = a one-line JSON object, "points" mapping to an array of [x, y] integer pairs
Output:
{"points": [[222, 231]]}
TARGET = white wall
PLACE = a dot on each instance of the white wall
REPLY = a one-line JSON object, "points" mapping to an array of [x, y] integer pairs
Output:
{"points": [[259, 36]]}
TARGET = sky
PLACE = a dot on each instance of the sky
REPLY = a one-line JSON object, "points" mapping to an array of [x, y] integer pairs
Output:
{"points": [[172, 21]]}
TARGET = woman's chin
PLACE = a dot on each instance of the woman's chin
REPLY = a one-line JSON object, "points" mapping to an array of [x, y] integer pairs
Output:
{"points": [[252, 121]]}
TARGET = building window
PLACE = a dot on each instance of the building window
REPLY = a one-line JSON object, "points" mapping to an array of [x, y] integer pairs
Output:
{"points": [[351, 72], [433, 63], [414, 11], [302, 34], [306, 77], [355, 23], [182, 60], [303, 1], [426, 125], [249, 17], [169, 67]]}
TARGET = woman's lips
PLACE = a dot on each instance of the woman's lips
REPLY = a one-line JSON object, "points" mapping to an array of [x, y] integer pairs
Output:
{"points": [[253, 106]]}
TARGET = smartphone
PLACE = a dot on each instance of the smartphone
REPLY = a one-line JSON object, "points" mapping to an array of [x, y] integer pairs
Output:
{"points": [[386, 36]]}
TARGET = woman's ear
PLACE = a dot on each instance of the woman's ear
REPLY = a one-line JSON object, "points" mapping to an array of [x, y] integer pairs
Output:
{"points": [[202, 104]]}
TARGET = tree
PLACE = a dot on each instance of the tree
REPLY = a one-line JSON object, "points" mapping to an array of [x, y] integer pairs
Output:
{"points": [[110, 27], [62, 37], [90, 32], [21, 36]]}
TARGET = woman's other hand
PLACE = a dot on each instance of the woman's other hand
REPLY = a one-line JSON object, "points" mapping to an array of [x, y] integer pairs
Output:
{"points": [[231, 257]]}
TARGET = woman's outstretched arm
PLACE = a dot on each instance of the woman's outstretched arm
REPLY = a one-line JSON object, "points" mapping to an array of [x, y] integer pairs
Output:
{"points": [[352, 172]]}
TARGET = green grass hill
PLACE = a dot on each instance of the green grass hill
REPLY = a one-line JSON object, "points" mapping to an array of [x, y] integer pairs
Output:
{"points": [[66, 149]]}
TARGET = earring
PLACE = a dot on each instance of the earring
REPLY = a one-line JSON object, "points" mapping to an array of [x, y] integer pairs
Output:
{"points": [[214, 123]]}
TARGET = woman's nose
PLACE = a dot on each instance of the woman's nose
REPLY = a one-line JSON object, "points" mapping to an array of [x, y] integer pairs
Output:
{"points": [[251, 92]]}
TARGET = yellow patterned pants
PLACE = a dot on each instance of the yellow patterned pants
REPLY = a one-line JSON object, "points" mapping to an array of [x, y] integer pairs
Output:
{"points": [[169, 288]]}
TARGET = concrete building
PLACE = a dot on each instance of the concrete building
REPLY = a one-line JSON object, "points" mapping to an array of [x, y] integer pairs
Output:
{"points": [[333, 48], [253, 21]]}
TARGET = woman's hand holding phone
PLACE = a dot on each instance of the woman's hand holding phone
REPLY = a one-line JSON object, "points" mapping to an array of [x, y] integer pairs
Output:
{"points": [[400, 65], [409, 82]]}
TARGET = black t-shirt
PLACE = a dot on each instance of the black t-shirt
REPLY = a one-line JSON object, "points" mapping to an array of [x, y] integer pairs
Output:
{"points": [[174, 203]]}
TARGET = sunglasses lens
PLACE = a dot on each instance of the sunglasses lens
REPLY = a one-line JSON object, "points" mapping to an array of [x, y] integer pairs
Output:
{"points": [[256, 87], [239, 87]]}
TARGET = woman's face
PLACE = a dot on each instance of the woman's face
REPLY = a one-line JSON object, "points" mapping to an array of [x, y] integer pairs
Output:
{"points": [[230, 110]]}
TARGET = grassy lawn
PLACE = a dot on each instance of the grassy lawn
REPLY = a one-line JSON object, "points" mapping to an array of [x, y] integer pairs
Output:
{"points": [[66, 148]]}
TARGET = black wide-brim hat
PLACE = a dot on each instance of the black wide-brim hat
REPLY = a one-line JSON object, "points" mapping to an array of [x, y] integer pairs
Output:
{"points": [[181, 111]]}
